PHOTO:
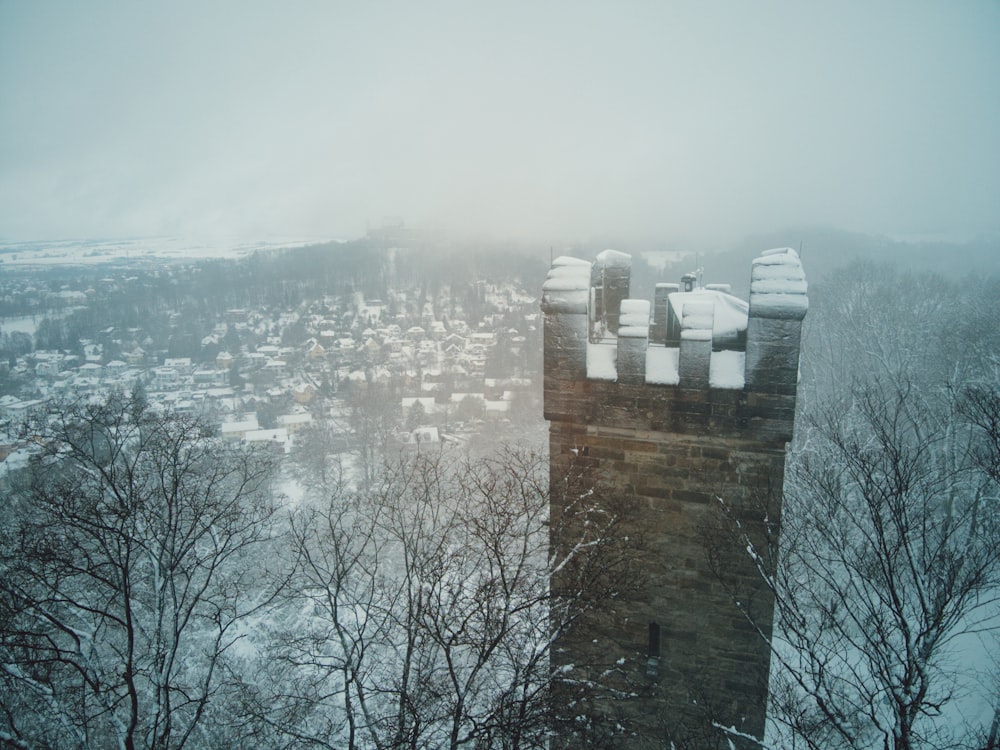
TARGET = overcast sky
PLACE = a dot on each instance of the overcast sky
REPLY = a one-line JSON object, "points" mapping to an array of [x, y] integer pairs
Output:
{"points": [[551, 121]]}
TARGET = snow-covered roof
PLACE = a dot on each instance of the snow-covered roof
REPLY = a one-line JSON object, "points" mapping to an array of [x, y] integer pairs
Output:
{"points": [[244, 425], [276, 435], [298, 418], [730, 313]]}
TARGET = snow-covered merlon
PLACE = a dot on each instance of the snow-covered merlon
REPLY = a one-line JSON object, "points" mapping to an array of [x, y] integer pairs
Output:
{"points": [[696, 339], [633, 341], [697, 320], [634, 319], [610, 257], [610, 279], [778, 285], [778, 303], [565, 305], [567, 286]]}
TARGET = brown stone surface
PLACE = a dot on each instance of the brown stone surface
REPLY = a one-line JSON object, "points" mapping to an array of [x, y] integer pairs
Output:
{"points": [[682, 454]]}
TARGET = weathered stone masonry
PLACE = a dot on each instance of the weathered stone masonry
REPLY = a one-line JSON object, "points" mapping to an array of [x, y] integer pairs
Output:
{"points": [[680, 409]]}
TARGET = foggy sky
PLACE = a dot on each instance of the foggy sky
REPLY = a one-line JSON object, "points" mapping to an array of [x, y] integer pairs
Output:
{"points": [[691, 121]]}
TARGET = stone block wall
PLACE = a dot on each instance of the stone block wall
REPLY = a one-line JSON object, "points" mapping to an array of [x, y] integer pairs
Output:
{"points": [[681, 453]]}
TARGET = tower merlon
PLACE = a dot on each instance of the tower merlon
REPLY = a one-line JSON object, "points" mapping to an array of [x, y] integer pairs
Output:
{"points": [[565, 306], [664, 324], [697, 323], [611, 278], [778, 303], [633, 340]]}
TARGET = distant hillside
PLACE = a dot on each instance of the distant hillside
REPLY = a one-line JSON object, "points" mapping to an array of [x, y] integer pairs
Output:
{"points": [[824, 250]]}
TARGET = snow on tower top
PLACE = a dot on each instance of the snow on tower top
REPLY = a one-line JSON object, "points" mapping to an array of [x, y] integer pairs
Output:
{"points": [[567, 286], [634, 321], [614, 258], [778, 285], [698, 321]]}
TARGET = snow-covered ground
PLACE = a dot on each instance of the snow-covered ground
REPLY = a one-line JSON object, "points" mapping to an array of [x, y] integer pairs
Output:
{"points": [[92, 252], [23, 324]]}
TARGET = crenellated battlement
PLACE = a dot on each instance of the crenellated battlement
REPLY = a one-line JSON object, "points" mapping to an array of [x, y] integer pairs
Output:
{"points": [[594, 329], [679, 403]]}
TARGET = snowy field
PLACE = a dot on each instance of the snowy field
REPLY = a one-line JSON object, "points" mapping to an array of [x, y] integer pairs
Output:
{"points": [[93, 252], [23, 324]]}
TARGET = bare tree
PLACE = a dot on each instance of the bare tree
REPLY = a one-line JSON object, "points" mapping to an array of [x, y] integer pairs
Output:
{"points": [[373, 417], [128, 567], [423, 615], [317, 455], [891, 556], [888, 583]]}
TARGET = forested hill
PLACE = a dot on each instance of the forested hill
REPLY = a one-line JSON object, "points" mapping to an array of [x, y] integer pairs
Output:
{"points": [[373, 267], [283, 278], [824, 250]]}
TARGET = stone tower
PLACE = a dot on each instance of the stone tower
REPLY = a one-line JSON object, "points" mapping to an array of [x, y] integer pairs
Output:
{"points": [[687, 411]]}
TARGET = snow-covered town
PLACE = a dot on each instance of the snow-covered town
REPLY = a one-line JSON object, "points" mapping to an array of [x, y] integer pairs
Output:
{"points": [[446, 364]]}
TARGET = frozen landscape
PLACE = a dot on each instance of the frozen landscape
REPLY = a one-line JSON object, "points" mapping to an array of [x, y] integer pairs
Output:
{"points": [[515, 376]]}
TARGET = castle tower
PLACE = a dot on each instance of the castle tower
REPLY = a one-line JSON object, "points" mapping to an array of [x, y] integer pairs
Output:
{"points": [[685, 407]]}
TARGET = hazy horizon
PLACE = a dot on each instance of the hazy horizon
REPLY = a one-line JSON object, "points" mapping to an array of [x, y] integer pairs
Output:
{"points": [[694, 123]]}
